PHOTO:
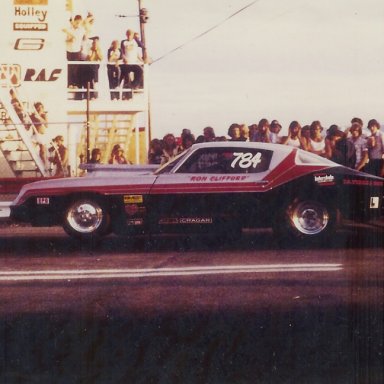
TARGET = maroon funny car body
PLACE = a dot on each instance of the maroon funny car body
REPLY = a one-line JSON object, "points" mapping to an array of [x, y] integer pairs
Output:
{"points": [[222, 187]]}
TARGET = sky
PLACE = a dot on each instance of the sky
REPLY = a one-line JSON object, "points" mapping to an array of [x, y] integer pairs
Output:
{"points": [[288, 60]]}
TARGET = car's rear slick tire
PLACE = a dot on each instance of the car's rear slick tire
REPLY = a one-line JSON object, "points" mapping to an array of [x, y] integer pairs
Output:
{"points": [[86, 219], [305, 220]]}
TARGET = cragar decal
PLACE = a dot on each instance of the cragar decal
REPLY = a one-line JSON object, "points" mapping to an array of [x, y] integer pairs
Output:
{"points": [[187, 220]]}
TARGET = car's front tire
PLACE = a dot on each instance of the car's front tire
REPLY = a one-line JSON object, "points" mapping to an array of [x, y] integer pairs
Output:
{"points": [[86, 219]]}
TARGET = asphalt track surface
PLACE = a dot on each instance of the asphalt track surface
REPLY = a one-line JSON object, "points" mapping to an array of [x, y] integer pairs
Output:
{"points": [[182, 310]]}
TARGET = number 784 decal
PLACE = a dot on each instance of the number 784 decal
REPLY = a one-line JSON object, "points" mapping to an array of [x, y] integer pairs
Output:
{"points": [[246, 160]]}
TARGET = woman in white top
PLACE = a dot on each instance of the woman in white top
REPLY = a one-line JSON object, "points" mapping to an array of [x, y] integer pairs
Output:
{"points": [[318, 144], [294, 138], [170, 148]]}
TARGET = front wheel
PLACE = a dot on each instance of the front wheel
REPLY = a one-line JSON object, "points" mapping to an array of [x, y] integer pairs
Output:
{"points": [[86, 219], [306, 219]]}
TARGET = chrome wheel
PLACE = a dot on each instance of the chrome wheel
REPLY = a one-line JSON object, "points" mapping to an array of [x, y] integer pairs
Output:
{"points": [[309, 217], [84, 217]]}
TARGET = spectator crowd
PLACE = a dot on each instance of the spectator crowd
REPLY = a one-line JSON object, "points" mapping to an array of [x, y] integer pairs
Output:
{"points": [[355, 147]]}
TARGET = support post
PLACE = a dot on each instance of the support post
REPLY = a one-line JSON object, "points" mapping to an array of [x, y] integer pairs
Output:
{"points": [[88, 123]]}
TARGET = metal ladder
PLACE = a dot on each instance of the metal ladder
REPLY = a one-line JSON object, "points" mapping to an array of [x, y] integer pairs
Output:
{"points": [[16, 142]]}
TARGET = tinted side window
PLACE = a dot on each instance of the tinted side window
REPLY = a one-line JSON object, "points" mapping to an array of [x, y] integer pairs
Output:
{"points": [[228, 160], [166, 168]]}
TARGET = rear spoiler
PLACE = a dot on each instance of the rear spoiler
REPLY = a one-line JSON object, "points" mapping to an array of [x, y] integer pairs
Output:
{"points": [[117, 167]]}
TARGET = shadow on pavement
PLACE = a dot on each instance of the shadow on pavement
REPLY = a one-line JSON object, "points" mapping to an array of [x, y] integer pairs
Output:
{"points": [[299, 346], [45, 242]]}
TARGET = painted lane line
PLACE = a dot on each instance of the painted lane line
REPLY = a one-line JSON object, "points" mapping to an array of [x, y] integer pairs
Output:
{"points": [[163, 272], [177, 269]]}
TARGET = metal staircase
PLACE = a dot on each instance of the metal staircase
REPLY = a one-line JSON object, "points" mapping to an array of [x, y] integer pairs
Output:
{"points": [[16, 138], [106, 130]]}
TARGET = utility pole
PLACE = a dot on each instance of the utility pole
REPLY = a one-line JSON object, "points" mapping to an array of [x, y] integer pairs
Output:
{"points": [[143, 17]]}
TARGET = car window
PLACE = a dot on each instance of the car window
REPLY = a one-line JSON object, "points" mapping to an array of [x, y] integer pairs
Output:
{"points": [[227, 160], [167, 167]]}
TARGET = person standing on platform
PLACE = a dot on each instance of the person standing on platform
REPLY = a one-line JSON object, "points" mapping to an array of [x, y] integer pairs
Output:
{"points": [[131, 71], [76, 36], [113, 68]]}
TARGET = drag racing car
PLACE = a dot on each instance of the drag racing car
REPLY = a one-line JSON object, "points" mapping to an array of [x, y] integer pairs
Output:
{"points": [[220, 187]]}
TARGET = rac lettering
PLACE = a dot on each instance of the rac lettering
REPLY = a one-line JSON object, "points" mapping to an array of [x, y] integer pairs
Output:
{"points": [[31, 75]]}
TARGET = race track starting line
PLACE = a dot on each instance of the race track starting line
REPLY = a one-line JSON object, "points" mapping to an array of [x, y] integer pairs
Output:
{"points": [[162, 272]]}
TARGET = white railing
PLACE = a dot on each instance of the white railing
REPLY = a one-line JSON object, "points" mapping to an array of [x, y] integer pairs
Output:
{"points": [[101, 89]]}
